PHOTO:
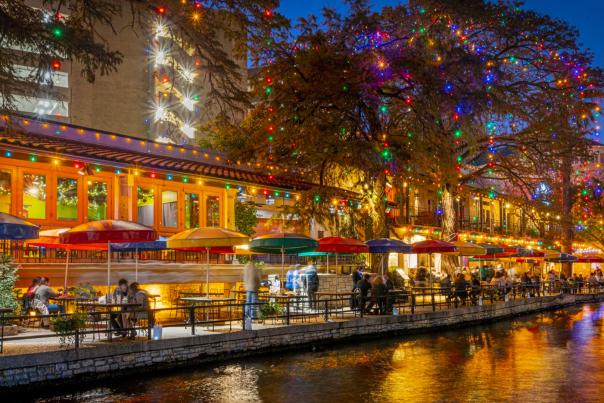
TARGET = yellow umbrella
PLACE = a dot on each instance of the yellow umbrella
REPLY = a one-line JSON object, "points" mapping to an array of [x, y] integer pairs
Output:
{"points": [[206, 238], [469, 249]]}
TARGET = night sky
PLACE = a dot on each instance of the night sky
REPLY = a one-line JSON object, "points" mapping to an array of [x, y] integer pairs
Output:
{"points": [[586, 15]]}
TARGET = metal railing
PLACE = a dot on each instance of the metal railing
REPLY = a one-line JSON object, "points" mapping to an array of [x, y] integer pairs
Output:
{"points": [[229, 316]]}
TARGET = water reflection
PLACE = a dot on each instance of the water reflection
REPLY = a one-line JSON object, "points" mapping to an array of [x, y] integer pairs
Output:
{"points": [[555, 356]]}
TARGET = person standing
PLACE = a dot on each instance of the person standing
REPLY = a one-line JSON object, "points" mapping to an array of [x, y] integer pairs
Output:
{"points": [[251, 281], [312, 284]]}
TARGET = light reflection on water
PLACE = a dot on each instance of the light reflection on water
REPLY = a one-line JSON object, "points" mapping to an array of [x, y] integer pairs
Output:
{"points": [[557, 356]]}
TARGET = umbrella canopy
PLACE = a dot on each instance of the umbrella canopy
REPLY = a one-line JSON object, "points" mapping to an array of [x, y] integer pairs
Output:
{"points": [[14, 228], [206, 237], [433, 246], [315, 254], [387, 245], [590, 259], [108, 231], [139, 246], [491, 249], [469, 249], [336, 244], [563, 258], [283, 243], [50, 239]]}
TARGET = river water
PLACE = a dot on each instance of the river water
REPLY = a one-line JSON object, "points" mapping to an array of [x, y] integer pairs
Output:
{"points": [[549, 357]]}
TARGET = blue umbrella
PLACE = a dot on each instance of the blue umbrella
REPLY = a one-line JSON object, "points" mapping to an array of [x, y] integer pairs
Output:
{"points": [[13, 228], [137, 247], [563, 258], [387, 245]]}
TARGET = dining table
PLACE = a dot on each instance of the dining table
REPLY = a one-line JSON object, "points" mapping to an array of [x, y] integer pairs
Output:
{"points": [[109, 308]]}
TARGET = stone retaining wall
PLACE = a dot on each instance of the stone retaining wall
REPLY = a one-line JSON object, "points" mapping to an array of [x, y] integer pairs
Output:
{"points": [[71, 365]]}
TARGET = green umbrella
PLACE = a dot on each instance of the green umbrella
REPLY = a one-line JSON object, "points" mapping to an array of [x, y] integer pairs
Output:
{"points": [[283, 243]]}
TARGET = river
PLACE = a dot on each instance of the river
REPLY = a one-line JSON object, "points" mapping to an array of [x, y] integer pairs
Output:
{"points": [[549, 357]]}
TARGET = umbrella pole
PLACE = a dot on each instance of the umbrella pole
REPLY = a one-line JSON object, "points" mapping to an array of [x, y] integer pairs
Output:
{"points": [[327, 264], [66, 270], [282, 268], [336, 272], [430, 269], [208, 273], [136, 264], [108, 268]]}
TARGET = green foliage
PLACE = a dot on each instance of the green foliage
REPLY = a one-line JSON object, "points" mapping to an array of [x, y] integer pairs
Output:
{"points": [[65, 327], [85, 290], [245, 217], [270, 309], [8, 278]]}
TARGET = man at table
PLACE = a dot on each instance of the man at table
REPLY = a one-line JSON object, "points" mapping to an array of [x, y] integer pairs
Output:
{"points": [[44, 293], [120, 295], [251, 281]]}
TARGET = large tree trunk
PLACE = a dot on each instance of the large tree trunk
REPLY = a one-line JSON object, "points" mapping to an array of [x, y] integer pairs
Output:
{"points": [[567, 220], [449, 230]]}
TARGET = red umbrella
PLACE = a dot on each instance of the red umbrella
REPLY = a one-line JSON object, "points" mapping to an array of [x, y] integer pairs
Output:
{"points": [[108, 231], [590, 259], [431, 246], [336, 244]]}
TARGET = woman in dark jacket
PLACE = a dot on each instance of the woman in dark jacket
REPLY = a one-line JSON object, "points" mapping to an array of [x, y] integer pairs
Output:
{"points": [[378, 295]]}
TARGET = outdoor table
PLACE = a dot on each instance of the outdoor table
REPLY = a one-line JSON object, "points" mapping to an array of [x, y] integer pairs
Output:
{"points": [[206, 303], [66, 300], [320, 294], [108, 309], [2, 312]]}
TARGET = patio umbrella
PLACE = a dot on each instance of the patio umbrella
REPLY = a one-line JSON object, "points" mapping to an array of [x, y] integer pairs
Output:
{"points": [[590, 259], [431, 246], [562, 258], [283, 243], [338, 245], [50, 239], [387, 245], [108, 232], [206, 238], [136, 247], [15, 229], [469, 249]]}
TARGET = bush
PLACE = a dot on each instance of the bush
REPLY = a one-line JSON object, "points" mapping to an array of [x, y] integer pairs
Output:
{"points": [[65, 327], [8, 278]]}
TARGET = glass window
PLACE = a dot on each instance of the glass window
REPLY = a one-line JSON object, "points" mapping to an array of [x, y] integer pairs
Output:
{"points": [[67, 199], [213, 211], [97, 200], [191, 210], [145, 202], [169, 209], [6, 191], [34, 196]]}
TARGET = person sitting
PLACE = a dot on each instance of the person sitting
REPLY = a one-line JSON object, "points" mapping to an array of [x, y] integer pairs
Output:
{"points": [[140, 312], [119, 296], [30, 294], [44, 293], [378, 295], [461, 292], [363, 286]]}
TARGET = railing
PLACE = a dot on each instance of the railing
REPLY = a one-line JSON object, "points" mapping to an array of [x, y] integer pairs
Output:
{"points": [[229, 316]]}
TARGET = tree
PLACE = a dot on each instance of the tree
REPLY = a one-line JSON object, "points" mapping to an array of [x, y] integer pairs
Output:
{"points": [[459, 94], [246, 217], [41, 38], [8, 279]]}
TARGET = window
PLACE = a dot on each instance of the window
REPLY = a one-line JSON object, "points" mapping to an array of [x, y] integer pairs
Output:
{"points": [[169, 209], [191, 210], [67, 199], [213, 211], [34, 196], [97, 200], [145, 202], [41, 106], [6, 191]]}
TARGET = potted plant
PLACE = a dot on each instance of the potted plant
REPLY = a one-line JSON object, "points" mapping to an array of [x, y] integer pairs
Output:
{"points": [[270, 309]]}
